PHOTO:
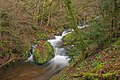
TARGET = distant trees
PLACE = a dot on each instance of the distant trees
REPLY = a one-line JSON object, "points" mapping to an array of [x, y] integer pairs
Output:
{"points": [[110, 10], [109, 23]]}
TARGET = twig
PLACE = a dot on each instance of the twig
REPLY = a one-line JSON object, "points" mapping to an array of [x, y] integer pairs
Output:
{"points": [[7, 62]]}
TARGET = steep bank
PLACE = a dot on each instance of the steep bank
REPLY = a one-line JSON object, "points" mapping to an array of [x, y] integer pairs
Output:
{"points": [[105, 65]]}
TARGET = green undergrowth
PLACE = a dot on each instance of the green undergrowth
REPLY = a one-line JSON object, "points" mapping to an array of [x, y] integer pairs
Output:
{"points": [[17, 41], [104, 65]]}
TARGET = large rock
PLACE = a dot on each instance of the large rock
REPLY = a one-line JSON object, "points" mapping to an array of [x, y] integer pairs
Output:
{"points": [[69, 43], [43, 52], [68, 39]]}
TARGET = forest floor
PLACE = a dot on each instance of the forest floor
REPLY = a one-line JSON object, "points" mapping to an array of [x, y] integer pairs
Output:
{"points": [[102, 64], [105, 65]]}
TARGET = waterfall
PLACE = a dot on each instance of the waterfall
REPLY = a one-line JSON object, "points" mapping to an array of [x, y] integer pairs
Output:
{"points": [[59, 53], [31, 51], [60, 60]]}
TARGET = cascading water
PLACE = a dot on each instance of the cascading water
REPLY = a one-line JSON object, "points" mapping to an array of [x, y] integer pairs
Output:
{"points": [[59, 60], [30, 58], [30, 71], [59, 52], [56, 43]]}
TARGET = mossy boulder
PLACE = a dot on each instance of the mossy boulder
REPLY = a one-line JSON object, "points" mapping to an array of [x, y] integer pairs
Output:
{"points": [[70, 44], [43, 52], [68, 39]]}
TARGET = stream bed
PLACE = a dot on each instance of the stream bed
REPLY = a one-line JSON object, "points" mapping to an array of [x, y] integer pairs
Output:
{"points": [[26, 71]]}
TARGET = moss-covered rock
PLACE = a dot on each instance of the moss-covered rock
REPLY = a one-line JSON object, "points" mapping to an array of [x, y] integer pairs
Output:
{"points": [[68, 39], [43, 52], [70, 43]]}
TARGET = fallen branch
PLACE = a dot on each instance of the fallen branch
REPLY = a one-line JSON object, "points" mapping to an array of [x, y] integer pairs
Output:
{"points": [[7, 62], [95, 75]]}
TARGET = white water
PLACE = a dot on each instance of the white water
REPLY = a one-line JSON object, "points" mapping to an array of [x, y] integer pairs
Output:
{"points": [[83, 26], [59, 52], [30, 58], [59, 59]]}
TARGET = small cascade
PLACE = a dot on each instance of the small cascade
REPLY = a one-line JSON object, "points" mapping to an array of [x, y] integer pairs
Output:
{"points": [[59, 53], [60, 60], [83, 26], [30, 58]]}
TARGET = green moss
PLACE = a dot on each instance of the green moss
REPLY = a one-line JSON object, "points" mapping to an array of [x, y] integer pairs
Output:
{"points": [[89, 76], [25, 50], [94, 76], [4, 53], [75, 79], [96, 63], [42, 37], [43, 54], [48, 48], [72, 52], [117, 43], [68, 39], [37, 57], [98, 67]]}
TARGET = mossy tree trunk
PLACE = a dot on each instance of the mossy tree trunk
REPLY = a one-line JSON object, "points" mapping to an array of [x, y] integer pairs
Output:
{"points": [[71, 16]]}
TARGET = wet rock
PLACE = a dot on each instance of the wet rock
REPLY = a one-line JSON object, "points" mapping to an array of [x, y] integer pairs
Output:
{"points": [[70, 44], [68, 39]]}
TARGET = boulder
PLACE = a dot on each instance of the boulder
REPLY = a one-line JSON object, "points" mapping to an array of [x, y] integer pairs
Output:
{"points": [[43, 52]]}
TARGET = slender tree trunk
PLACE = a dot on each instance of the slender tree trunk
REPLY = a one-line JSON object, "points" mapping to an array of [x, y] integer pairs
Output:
{"points": [[82, 46]]}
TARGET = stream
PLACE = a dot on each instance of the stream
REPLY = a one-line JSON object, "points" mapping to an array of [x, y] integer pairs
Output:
{"points": [[28, 70]]}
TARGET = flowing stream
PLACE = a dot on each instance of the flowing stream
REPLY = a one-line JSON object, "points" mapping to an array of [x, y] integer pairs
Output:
{"points": [[28, 70]]}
